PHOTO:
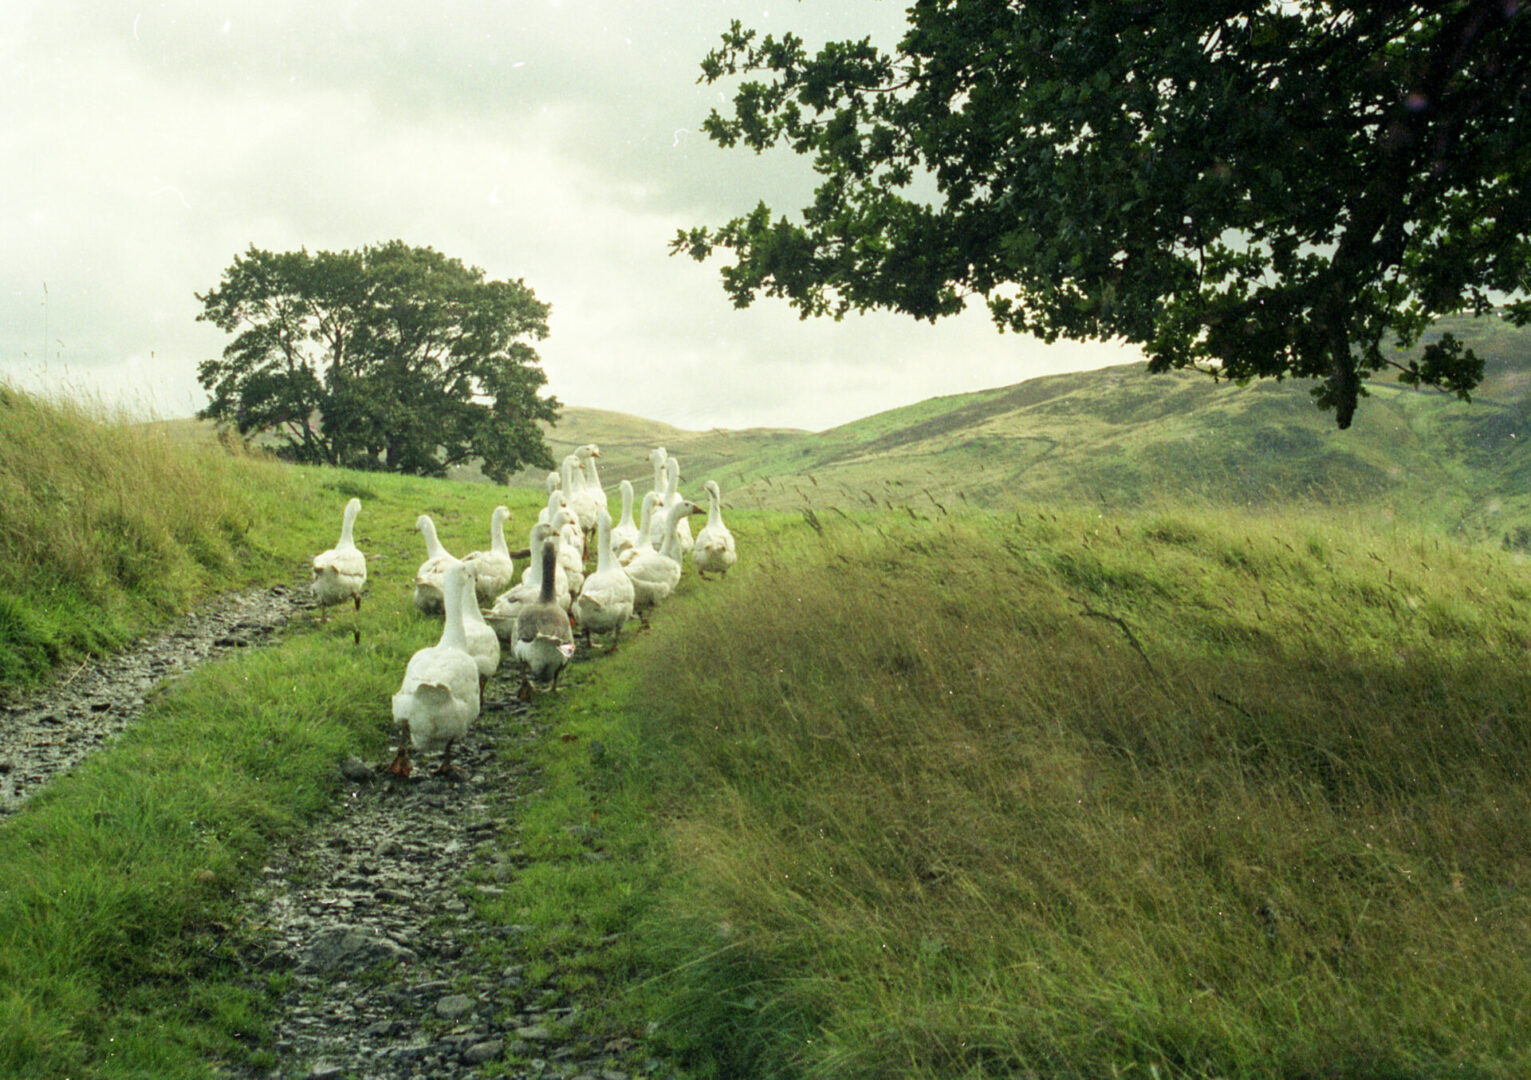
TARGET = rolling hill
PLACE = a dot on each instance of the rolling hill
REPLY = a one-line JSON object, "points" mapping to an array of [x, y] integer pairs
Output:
{"points": [[1118, 438]]}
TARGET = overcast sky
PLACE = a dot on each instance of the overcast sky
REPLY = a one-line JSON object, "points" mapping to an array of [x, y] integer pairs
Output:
{"points": [[143, 145]]}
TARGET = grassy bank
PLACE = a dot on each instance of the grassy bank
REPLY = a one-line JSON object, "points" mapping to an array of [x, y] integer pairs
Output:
{"points": [[118, 883], [1060, 796], [111, 526]]}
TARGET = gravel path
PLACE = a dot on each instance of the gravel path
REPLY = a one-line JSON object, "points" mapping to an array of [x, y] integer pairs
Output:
{"points": [[372, 920], [367, 916], [49, 730]]}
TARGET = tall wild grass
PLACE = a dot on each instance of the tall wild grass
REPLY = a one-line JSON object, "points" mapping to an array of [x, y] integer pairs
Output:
{"points": [[107, 525], [1059, 796]]}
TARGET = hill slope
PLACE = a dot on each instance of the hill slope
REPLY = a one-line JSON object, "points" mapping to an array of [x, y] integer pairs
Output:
{"points": [[1119, 438]]}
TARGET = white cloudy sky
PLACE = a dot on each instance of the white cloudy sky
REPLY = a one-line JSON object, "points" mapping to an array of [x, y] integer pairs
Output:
{"points": [[143, 145]]}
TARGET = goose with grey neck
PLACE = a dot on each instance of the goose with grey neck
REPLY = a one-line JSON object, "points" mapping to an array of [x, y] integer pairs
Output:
{"points": [[544, 640]]}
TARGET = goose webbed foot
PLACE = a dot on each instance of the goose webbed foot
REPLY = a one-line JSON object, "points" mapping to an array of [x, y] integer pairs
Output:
{"points": [[447, 768], [525, 692], [400, 765]]}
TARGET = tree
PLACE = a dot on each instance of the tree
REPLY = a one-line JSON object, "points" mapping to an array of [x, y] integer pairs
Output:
{"points": [[1248, 188], [392, 357]]}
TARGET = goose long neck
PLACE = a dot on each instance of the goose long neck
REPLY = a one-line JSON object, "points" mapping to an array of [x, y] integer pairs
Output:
{"points": [[714, 509], [568, 475], [352, 509], [627, 505], [433, 546], [672, 479], [647, 519], [605, 559], [671, 547], [592, 476], [452, 632], [497, 534], [549, 571]]}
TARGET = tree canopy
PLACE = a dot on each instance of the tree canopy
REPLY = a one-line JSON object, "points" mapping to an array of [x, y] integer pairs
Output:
{"points": [[1248, 188], [393, 357]]}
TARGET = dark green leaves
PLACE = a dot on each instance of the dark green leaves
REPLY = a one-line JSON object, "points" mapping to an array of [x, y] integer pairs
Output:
{"points": [[1251, 188], [390, 357]]}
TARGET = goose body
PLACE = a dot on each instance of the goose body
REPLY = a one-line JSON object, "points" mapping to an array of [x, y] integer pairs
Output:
{"points": [[589, 498], [714, 549], [507, 606], [671, 495], [340, 572], [439, 696], [606, 602], [655, 574], [544, 640], [428, 579], [492, 570]]}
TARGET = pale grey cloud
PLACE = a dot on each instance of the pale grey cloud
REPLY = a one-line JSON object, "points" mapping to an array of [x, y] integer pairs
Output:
{"points": [[143, 145]]}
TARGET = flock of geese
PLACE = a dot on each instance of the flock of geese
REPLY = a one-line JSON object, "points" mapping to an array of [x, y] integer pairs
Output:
{"points": [[637, 565]]}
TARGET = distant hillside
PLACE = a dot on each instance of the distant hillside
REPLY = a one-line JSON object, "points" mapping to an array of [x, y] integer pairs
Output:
{"points": [[1120, 438]]}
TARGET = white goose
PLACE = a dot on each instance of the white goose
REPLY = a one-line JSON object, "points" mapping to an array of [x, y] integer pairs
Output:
{"points": [[340, 572], [625, 534], [656, 573], [483, 642], [646, 534], [502, 617], [439, 696], [714, 550], [428, 579], [544, 640], [590, 497], [492, 570], [606, 601], [672, 494]]}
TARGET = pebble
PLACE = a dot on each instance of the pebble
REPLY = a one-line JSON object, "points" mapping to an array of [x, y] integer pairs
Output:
{"points": [[50, 730], [367, 912]]}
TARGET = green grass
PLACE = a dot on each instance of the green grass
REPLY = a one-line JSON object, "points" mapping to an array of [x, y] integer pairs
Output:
{"points": [[110, 527], [916, 791], [118, 882], [930, 812]]}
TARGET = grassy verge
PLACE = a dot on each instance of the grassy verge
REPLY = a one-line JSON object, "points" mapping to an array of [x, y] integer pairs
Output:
{"points": [[1057, 795], [111, 526], [118, 883]]}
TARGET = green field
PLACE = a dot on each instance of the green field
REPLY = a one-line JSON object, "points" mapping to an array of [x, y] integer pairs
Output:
{"points": [[932, 785]]}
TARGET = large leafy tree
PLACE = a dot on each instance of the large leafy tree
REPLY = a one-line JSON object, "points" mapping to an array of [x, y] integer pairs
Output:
{"points": [[392, 357], [1251, 188]]}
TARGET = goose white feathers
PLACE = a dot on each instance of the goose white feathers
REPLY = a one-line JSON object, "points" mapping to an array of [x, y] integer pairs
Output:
{"points": [[656, 573], [439, 696], [714, 550], [589, 498], [507, 606], [429, 578], [483, 643], [340, 572], [492, 570], [625, 534], [544, 640], [606, 601], [671, 495]]}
